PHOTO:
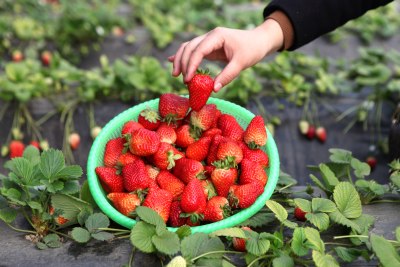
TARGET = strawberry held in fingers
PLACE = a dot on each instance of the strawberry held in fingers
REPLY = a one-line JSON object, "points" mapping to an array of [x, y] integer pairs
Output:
{"points": [[109, 179], [125, 203], [16, 149], [144, 142], [173, 107], [320, 133], [200, 88], [149, 118], [255, 135]]}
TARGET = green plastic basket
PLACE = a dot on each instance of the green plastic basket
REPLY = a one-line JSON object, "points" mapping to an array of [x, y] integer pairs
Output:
{"points": [[113, 130]]}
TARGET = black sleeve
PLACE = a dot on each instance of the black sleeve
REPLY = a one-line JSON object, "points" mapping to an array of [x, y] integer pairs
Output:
{"points": [[313, 18]]}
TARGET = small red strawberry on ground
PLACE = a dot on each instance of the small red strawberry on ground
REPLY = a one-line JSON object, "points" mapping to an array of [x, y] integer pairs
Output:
{"points": [[135, 176], [184, 136], [74, 140], [303, 127], [110, 180], [230, 127], [223, 178], [114, 149], [371, 161], [125, 203], [311, 132], [16, 149], [159, 200], [129, 127], [126, 158], [174, 219], [299, 214], [173, 107], [200, 88], [243, 196], [199, 149], [255, 135], [167, 134], [193, 200], [217, 209], [257, 155], [209, 189], [251, 171], [144, 142], [149, 118], [165, 156], [230, 151], [17, 56], [188, 169], [45, 57], [203, 119], [239, 244], [320, 133], [35, 144], [169, 182]]}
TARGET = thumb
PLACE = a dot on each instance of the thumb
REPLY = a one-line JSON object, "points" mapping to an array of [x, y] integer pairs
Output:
{"points": [[230, 72]]}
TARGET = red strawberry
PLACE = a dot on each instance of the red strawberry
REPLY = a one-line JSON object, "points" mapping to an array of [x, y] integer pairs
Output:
{"points": [[167, 134], [60, 220], [255, 135], [74, 140], [16, 149], [200, 88], [193, 200], [371, 161], [149, 118], [320, 133], [125, 203], [208, 169], [299, 214], [135, 176], [130, 126], [212, 153], [126, 158], [256, 155], [144, 142], [199, 149], [173, 107], [209, 189], [184, 136], [243, 196], [114, 149], [117, 31], [203, 119], [230, 151], [35, 144], [239, 244], [174, 219], [152, 171], [217, 115], [159, 200], [17, 56], [46, 58], [169, 182], [212, 132], [188, 169], [252, 171], [110, 181], [311, 132], [303, 127], [230, 127], [217, 209], [165, 156], [223, 179]]}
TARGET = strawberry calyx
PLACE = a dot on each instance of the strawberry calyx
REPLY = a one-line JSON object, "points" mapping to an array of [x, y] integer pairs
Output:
{"points": [[141, 193], [194, 217], [253, 145], [171, 157], [150, 115]]}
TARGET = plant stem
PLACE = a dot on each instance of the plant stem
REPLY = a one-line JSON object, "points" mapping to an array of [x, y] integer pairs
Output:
{"points": [[27, 218], [21, 230], [214, 252], [350, 236], [338, 244], [122, 237], [384, 201], [46, 117], [286, 186], [61, 234], [131, 257], [113, 230], [259, 258]]}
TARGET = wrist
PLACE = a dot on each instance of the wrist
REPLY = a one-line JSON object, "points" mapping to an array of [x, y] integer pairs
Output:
{"points": [[271, 35]]}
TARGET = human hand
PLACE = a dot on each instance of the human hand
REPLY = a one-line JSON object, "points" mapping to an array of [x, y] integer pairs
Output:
{"points": [[240, 49]]}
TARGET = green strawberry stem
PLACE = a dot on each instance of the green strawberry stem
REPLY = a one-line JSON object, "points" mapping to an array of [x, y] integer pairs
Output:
{"points": [[21, 230], [59, 233], [215, 252], [113, 230], [259, 258], [395, 242]]}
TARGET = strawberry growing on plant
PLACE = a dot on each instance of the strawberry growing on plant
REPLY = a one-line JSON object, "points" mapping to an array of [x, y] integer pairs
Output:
{"points": [[303, 127], [299, 214], [35, 144], [255, 135], [320, 134], [149, 118], [239, 244], [310, 132], [95, 131], [74, 140], [371, 161], [46, 57], [17, 56], [200, 88], [16, 149]]}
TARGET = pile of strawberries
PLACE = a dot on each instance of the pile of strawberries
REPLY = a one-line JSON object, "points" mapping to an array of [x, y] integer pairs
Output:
{"points": [[192, 166]]}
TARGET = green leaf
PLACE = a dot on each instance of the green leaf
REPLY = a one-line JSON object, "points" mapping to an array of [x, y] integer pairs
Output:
{"points": [[339, 218], [348, 254], [395, 179], [141, 237], [361, 169], [231, 232], [69, 172], [83, 215], [279, 211], [41, 246], [200, 243], [289, 224], [259, 219], [23, 169], [70, 187], [385, 251], [52, 241], [314, 239], [347, 200], [320, 220], [225, 263], [70, 206], [323, 260], [328, 176], [322, 205], [340, 155], [85, 194], [35, 206], [102, 236], [52, 161], [398, 234], [167, 243], [303, 204], [80, 235], [8, 214], [257, 246], [318, 183], [95, 221], [32, 154], [299, 242], [183, 231], [283, 260], [150, 216]]}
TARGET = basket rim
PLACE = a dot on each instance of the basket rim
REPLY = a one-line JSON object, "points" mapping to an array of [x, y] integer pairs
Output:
{"points": [[103, 203]]}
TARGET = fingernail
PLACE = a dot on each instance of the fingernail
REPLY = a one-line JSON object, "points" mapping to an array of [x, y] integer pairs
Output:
{"points": [[217, 87]]}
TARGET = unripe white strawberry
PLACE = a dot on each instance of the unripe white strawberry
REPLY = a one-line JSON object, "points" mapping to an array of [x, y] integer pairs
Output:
{"points": [[74, 140]]}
